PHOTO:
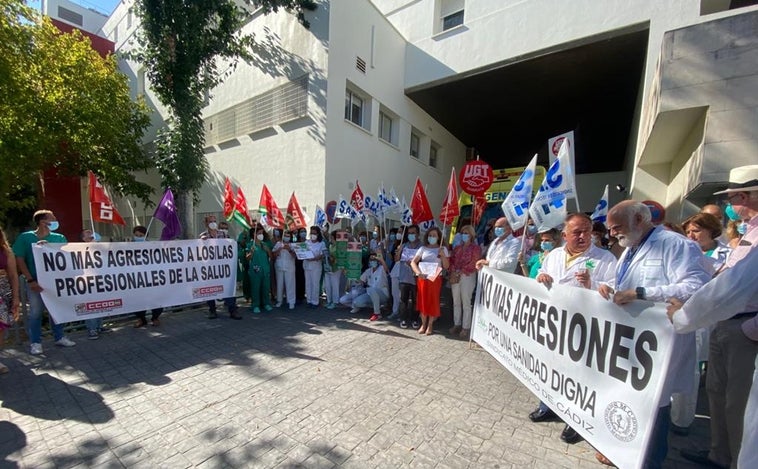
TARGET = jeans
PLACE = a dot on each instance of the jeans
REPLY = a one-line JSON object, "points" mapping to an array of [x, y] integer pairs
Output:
{"points": [[659, 439], [94, 324], [36, 307], [408, 297], [230, 303]]}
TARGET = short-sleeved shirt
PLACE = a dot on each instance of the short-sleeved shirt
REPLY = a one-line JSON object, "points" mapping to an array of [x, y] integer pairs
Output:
{"points": [[23, 247]]}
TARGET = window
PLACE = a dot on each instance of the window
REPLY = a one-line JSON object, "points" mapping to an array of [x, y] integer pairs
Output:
{"points": [[451, 14], [434, 155], [385, 127], [353, 108], [415, 144]]}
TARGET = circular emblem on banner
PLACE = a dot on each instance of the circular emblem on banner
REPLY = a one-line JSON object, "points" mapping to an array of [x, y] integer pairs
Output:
{"points": [[330, 209], [657, 212], [476, 177], [557, 145], [621, 421]]}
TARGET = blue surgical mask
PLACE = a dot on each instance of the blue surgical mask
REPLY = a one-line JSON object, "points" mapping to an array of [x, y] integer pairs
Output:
{"points": [[547, 245], [465, 237], [729, 211], [393, 237], [432, 240], [363, 239], [531, 229], [287, 239], [139, 239], [96, 237], [742, 228], [411, 237], [53, 225], [499, 231], [373, 264], [374, 235]]}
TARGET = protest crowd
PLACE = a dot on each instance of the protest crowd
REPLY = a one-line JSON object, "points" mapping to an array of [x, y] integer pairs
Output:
{"points": [[703, 268]]}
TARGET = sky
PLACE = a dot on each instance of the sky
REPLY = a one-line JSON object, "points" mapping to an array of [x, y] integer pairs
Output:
{"points": [[103, 6]]}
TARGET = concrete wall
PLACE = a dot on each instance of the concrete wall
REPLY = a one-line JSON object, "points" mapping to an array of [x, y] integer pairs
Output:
{"points": [[358, 29], [91, 22], [706, 111]]}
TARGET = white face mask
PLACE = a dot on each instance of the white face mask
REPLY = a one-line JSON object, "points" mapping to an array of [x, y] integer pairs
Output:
{"points": [[212, 225], [286, 239], [314, 238], [259, 237]]}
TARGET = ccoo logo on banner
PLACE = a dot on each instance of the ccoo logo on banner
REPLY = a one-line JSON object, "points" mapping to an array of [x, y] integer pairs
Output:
{"points": [[600, 367]]}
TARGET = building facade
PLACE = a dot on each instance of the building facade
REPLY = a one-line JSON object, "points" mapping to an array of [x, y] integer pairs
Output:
{"points": [[661, 96]]}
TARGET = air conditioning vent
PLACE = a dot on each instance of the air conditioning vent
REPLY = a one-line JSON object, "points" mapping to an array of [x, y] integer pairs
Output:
{"points": [[360, 64]]}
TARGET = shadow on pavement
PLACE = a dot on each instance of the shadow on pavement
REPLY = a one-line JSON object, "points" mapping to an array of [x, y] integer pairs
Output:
{"points": [[12, 439]]}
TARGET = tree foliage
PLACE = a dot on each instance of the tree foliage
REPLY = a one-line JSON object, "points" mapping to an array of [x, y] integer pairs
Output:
{"points": [[63, 107], [179, 44]]}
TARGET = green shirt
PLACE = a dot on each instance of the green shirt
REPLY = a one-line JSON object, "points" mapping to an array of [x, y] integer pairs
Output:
{"points": [[23, 247]]}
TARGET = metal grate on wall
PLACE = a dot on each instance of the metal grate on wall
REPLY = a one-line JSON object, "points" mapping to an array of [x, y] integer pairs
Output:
{"points": [[70, 16], [274, 107]]}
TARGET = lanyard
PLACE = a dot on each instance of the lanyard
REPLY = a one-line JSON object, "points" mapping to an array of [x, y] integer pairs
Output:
{"points": [[629, 257]]}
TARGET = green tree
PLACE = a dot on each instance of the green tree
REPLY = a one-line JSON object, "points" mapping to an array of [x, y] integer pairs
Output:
{"points": [[179, 44], [63, 107]]}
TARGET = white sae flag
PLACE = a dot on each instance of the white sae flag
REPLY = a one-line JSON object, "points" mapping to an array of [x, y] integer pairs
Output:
{"points": [[601, 210], [320, 217], [516, 204], [342, 209], [406, 214], [548, 209]]}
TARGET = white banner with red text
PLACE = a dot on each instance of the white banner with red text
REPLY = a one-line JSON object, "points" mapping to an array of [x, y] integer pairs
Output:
{"points": [[91, 280], [599, 366]]}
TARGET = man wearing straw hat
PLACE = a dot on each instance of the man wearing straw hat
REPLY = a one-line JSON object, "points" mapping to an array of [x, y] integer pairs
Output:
{"points": [[734, 340]]}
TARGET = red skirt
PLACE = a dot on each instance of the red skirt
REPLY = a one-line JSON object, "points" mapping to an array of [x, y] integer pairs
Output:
{"points": [[428, 296]]}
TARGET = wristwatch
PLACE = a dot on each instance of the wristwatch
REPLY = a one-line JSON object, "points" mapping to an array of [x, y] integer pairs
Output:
{"points": [[640, 293]]}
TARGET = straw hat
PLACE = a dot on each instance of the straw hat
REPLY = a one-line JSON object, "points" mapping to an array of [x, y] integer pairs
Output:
{"points": [[742, 179]]}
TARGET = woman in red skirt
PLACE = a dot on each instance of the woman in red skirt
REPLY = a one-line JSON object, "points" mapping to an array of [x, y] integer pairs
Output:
{"points": [[428, 263]]}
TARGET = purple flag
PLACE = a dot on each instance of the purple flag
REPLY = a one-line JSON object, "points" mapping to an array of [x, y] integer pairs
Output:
{"points": [[166, 212]]}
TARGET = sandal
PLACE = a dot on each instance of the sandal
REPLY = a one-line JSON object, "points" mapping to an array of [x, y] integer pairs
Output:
{"points": [[603, 460]]}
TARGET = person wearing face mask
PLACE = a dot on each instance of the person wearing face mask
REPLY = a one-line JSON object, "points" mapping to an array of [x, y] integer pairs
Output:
{"points": [[276, 236], [333, 276], [299, 236], [406, 279], [212, 232], [432, 252], [284, 265], [46, 224], [313, 267], [734, 341], [374, 280], [393, 243], [503, 251], [258, 255], [462, 278], [548, 241], [139, 234]]}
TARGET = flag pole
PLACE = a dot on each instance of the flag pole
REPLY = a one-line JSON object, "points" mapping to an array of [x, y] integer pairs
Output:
{"points": [[147, 230]]}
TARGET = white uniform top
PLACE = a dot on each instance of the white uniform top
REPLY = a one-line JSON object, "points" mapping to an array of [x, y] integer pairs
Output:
{"points": [[317, 248], [503, 255], [376, 278], [668, 265], [600, 263], [285, 261]]}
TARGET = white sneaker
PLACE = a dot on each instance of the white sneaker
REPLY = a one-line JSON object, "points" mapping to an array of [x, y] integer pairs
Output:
{"points": [[292, 306], [36, 349], [65, 342], [354, 310]]}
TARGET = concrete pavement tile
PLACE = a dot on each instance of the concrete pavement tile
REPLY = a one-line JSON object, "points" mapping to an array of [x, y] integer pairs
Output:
{"points": [[317, 461]]}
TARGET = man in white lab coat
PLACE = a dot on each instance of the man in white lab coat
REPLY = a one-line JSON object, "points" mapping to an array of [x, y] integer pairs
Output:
{"points": [[734, 340], [657, 265]]}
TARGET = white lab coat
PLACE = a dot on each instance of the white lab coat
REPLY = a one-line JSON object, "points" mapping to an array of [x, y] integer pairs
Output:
{"points": [[728, 294], [503, 255], [604, 270], [669, 265]]}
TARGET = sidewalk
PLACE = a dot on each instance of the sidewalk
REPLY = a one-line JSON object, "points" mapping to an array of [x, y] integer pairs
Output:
{"points": [[303, 388]]}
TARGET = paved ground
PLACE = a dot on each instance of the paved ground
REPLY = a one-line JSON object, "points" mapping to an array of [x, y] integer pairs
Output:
{"points": [[314, 389]]}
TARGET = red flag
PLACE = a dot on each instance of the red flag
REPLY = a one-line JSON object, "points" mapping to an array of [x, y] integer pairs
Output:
{"points": [[295, 217], [100, 204], [478, 206], [268, 207], [422, 212], [228, 200], [450, 208], [356, 200], [241, 206]]}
